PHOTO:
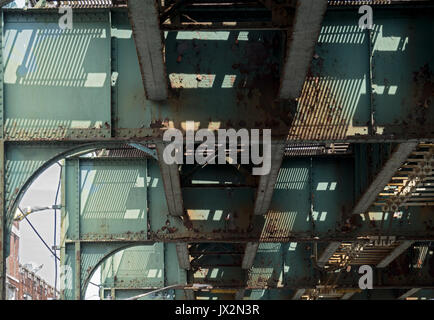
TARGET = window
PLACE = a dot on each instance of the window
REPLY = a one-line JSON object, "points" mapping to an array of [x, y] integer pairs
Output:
{"points": [[11, 292]]}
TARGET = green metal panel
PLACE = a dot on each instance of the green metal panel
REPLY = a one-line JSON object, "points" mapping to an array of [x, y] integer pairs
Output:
{"points": [[161, 223], [174, 274], [137, 267], [132, 110], [71, 192], [77, 80], [67, 274], [291, 202], [141, 269], [335, 101], [79, 261], [222, 210], [332, 188], [298, 267], [57, 82], [227, 63], [282, 265], [403, 66], [306, 188], [101, 207], [113, 206], [229, 78], [267, 267]]}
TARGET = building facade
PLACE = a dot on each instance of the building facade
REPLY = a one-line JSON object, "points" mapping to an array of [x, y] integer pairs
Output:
{"points": [[22, 283]]}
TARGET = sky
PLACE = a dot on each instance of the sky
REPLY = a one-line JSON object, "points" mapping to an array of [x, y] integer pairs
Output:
{"points": [[20, 3], [41, 193]]}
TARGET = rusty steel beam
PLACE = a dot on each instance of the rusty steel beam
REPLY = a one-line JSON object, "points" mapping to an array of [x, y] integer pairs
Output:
{"points": [[183, 255], [395, 161], [327, 253], [239, 295], [172, 184], [394, 254], [409, 293], [190, 295], [265, 190], [249, 255], [348, 295], [144, 18], [303, 286], [220, 26], [300, 46], [297, 295]]}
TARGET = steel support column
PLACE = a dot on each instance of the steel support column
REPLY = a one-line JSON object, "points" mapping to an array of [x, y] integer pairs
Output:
{"points": [[300, 46], [149, 45], [249, 255], [327, 253], [409, 293], [77, 279], [190, 295], [394, 254], [266, 182], [172, 184], [297, 295], [348, 295], [239, 295], [397, 158], [183, 255]]}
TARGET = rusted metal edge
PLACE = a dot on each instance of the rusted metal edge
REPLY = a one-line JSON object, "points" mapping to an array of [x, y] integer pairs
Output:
{"points": [[382, 179], [145, 24], [301, 43]]}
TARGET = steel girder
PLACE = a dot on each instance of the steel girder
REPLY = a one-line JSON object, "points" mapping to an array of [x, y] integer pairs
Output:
{"points": [[338, 102], [318, 180], [37, 74], [116, 182], [142, 269]]}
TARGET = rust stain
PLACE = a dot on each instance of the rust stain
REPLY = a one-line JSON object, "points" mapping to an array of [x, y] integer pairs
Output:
{"points": [[320, 115]]}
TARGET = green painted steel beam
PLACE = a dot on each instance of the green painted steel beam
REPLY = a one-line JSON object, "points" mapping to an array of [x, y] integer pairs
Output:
{"points": [[4, 243], [60, 89], [226, 214], [222, 79], [144, 17], [301, 41]]}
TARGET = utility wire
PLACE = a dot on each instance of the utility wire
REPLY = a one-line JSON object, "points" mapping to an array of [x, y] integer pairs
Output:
{"points": [[96, 285], [39, 236], [55, 232]]}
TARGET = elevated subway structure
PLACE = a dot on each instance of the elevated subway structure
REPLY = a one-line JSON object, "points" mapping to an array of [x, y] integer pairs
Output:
{"points": [[351, 172]]}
